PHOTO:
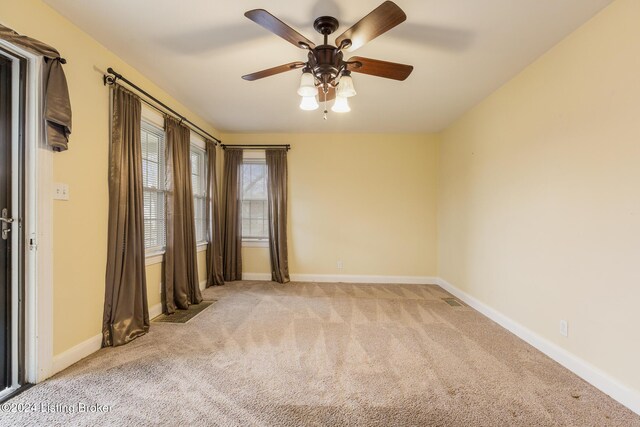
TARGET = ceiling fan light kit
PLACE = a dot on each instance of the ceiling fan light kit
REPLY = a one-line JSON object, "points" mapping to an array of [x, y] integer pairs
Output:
{"points": [[307, 84], [340, 105], [309, 103], [326, 74], [346, 88]]}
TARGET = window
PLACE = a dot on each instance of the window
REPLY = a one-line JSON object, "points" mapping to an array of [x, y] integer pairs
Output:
{"points": [[153, 183], [255, 219], [199, 185]]}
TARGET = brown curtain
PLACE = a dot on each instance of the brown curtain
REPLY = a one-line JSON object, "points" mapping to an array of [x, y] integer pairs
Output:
{"points": [[232, 246], [214, 247], [57, 106], [126, 313], [181, 287], [277, 207]]}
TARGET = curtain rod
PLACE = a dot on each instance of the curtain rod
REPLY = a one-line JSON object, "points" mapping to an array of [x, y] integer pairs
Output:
{"points": [[286, 146], [114, 77]]}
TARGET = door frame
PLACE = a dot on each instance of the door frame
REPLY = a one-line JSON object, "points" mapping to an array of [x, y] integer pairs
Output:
{"points": [[13, 262], [37, 224]]}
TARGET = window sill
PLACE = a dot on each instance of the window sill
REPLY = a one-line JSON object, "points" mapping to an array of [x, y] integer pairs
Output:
{"points": [[255, 243], [154, 258], [157, 257]]}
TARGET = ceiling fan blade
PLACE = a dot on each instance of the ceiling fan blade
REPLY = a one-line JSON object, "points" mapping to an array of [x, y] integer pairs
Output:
{"points": [[272, 71], [375, 67], [331, 94], [279, 28], [379, 21]]}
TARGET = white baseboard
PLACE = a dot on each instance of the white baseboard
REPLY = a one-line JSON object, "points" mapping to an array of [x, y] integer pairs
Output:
{"points": [[155, 310], [349, 278], [203, 285], [76, 353], [256, 276], [593, 375], [357, 278]]}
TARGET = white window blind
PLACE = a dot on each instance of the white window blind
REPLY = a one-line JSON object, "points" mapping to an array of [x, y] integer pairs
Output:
{"points": [[255, 219], [154, 189], [199, 186]]}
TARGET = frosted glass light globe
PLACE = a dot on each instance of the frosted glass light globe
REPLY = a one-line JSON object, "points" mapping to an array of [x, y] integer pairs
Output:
{"points": [[308, 103]]}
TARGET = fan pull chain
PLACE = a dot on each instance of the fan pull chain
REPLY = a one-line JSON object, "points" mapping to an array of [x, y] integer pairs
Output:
{"points": [[325, 105]]}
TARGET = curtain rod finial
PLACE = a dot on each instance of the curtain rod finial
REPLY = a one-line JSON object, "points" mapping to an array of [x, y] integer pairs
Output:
{"points": [[109, 79]]}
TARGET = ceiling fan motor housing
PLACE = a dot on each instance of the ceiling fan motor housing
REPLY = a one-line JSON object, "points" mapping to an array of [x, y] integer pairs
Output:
{"points": [[325, 62]]}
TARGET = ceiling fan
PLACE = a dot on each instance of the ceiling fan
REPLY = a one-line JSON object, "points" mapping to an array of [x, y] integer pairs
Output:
{"points": [[326, 74]]}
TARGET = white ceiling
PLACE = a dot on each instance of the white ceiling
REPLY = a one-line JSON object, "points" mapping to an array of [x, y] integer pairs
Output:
{"points": [[462, 50]]}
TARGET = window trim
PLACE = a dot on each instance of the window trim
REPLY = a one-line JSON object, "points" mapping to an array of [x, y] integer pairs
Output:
{"points": [[150, 120], [158, 257], [199, 145], [255, 243], [197, 140], [152, 116], [254, 157]]}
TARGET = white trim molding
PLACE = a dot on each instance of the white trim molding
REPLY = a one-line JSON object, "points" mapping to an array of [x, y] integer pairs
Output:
{"points": [[155, 310], [154, 258], [356, 278], [253, 243], [38, 223], [593, 375], [152, 115], [157, 257], [76, 353], [256, 276], [596, 377]]}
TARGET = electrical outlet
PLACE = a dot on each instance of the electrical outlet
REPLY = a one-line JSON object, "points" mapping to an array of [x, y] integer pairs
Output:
{"points": [[339, 264], [160, 288], [60, 191], [564, 328]]}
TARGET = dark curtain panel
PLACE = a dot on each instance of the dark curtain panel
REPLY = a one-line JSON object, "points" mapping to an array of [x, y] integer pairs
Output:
{"points": [[126, 313], [181, 287], [232, 246], [214, 248], [57, 106], [277, 207]]}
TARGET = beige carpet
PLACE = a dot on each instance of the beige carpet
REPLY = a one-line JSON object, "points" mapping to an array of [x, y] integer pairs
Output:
{"points": [[324, 354]]}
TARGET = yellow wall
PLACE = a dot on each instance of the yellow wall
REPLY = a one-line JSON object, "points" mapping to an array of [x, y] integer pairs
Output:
{"points": [[539, 196], [368, 200], [80, 224], [155, 276], [536, 193]]}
